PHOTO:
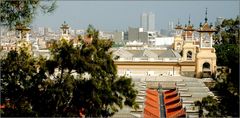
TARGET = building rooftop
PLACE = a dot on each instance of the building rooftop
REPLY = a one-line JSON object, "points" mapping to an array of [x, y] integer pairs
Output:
{"points": [[145, 54]]}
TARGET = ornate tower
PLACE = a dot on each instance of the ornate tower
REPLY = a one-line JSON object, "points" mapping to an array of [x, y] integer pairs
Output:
{"points": [[65, 31], [188, 31], [178, 41], [23, 42], [206, 56], [189, 49]]}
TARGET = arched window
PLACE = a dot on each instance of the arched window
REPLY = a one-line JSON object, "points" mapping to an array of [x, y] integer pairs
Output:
{"points": [[206, 66], [178, 46], [189, 55]]}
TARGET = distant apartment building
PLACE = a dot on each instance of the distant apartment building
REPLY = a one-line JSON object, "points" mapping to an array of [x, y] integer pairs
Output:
{"points": [[118, 37], [46, 31], [143, 37], [137, 34], [105, 35], [133, 34], [148, 21]]}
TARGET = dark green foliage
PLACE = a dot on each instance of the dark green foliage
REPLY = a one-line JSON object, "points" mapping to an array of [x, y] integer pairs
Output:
{"points": [[211, 105], [17, 71], [15, 12], [73, 79], [227, 49]]}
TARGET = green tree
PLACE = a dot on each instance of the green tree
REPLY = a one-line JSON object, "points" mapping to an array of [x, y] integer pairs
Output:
{"points": [[228, 49], [14, 12], [17, 73], [75, 80], [210, 105], [102, 93]]}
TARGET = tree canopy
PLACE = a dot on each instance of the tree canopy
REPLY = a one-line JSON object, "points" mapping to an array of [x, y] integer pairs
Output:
{"points": [[75, 81], [227, 50], [15, 12]]}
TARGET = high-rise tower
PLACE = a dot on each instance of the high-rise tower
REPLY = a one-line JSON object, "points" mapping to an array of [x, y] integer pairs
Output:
{"points": [[148, 21], [144, 20], [151, 21]]}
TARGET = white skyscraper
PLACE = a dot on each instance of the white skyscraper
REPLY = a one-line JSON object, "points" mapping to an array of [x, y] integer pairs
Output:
{"points": [[144, 21], [148, 21], [151, 21]]}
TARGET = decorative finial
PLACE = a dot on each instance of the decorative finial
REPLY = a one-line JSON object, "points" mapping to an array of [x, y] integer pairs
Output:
{"points": [[211, 25], [206, 16], [189, 20], [178, 24]]}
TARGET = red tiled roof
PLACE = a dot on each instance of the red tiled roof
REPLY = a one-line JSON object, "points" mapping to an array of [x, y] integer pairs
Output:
{"points": [[152, 104], [169, 91], [152, 97], [172, 94], [152, 109], [153, 92], [173, 105], [179, 113], [170, 100]]}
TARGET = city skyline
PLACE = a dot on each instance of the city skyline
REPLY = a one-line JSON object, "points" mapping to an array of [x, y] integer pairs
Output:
{"points": [[119, 15]]}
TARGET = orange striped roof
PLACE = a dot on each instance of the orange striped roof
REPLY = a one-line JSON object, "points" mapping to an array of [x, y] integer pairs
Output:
{"points": [[173, 99], [152, 97], [170, 95], [169, 91], [178, 113], [151, 103], [152, 111], [153, 92], [173, 105], [152, 108]]}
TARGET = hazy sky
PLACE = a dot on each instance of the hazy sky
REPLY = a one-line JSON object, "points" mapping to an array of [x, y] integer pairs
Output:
{"points": [[119, 15]]}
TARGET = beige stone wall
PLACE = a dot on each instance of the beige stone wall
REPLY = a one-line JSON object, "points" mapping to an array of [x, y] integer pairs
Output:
{"points": [[144, 70], [188, 68], [189, 46], [25, 45], [178, 40], [205, 55]]}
